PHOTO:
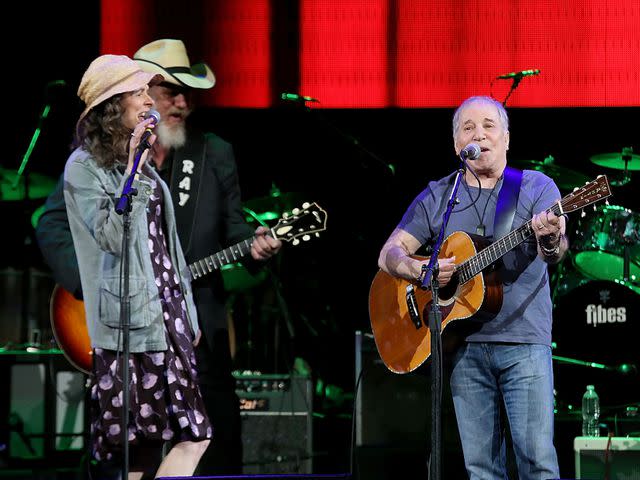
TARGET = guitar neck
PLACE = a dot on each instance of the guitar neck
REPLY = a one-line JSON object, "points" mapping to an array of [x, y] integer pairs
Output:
{"points": [[224, 257], [474, 265]]}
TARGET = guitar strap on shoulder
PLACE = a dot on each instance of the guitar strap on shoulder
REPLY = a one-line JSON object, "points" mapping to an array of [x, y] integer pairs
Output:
{"points": [[507, 202]]}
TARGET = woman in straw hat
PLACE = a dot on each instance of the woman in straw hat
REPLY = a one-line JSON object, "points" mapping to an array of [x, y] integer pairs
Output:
{"points": [[165, 402]]}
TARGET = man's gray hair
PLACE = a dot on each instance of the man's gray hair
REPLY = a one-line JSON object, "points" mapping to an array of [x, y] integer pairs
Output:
{"points": [[502, 113]]}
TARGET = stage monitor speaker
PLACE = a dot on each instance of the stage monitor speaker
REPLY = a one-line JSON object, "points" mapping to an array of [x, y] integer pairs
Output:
{"points": [[391, 409], [44, 410], [276, 415], [597, 457], [318, 476], [393, 420]]}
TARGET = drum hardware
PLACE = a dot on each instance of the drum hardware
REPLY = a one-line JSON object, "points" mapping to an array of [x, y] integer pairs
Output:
{"points": [[607, 244], [626, 161], [595, 334], [272, 206], [565, 178], [623, 368]]}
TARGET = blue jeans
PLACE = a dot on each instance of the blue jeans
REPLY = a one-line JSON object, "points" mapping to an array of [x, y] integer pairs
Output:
{"points": [[519, 376]]}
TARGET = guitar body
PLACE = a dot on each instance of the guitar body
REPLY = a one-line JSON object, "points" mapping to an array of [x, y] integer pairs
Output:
{"points": [[68, 321], [402, 346]]}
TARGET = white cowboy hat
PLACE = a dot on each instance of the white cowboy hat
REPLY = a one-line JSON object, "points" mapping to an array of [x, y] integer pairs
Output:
{"points": [[168, 57]]}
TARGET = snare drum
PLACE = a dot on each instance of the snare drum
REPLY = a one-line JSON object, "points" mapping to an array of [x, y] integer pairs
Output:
{"points": [[600, 240]]}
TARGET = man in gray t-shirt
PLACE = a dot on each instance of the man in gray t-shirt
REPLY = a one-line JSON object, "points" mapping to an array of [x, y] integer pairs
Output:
{"points": [[507, 360]]}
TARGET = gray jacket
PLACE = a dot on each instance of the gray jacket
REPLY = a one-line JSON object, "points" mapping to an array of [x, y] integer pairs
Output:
{"points": [[90, 194]]}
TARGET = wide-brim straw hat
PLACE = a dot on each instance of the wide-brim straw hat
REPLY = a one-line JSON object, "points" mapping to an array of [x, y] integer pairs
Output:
{"points": [[168, 57], [110, 75]]}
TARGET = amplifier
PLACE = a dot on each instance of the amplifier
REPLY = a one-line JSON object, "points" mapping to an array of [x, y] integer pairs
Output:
{"points": [[276, 414], [596, 458]]}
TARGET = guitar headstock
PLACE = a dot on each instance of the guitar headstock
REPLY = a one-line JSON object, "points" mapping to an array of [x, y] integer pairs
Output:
{"points": [[301, 224], [592, 192]]}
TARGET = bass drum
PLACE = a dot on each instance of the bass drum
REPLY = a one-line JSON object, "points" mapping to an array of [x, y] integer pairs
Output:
{"points": [[600, 240], [596, 331]]}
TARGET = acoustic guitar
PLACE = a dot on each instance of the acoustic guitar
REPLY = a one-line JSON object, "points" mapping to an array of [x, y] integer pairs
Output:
{"points": [[67, 313], [398, 308]]}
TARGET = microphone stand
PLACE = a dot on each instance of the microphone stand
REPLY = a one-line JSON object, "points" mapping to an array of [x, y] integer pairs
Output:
{"points": [[388, 167], [514, 85], [123, 208], [430, 280]]}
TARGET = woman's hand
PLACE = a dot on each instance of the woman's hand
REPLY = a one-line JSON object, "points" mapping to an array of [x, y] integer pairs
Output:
{"points": [[137, 137]]}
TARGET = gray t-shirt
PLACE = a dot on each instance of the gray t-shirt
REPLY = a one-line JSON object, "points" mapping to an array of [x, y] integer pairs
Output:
{"points": [[526, 313]]}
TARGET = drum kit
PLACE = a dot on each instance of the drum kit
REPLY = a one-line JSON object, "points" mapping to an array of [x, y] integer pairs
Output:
{"points": [[596, 292], [24, 298], [259, 211]]}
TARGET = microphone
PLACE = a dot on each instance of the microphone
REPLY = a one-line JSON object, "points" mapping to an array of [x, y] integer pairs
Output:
{"points": [[128, 190], [144, 140], [523, 73], [294, 97], [470, 152]]}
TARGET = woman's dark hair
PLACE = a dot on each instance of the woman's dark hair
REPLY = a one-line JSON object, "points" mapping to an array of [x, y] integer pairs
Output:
{"points": [[102, 134]]}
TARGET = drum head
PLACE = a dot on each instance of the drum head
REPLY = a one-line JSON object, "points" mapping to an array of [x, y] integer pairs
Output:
{"points": [[599, 322]]}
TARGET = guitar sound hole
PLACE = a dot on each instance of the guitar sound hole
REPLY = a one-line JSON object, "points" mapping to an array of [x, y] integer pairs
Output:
{"points": [[449, 290]]}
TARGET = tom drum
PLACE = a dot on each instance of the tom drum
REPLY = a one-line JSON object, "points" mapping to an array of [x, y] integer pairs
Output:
{"points": [[600, 240]]}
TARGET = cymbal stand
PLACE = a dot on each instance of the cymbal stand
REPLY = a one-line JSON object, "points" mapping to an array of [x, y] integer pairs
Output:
{"points": [[627, 153], [286, 317]]}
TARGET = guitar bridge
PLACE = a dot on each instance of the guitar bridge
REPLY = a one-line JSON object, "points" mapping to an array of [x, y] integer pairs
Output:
{"points": [[412, 306]]}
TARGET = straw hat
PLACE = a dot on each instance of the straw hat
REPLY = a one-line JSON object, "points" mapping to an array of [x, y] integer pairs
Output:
{"points": [[109, 75], [169, 58]]}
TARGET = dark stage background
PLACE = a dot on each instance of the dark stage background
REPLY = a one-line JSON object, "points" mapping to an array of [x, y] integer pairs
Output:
{"points": [[341, 159]]}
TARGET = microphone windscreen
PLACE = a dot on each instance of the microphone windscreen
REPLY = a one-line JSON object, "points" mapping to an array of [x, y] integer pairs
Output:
{"points": [[153, 114]]}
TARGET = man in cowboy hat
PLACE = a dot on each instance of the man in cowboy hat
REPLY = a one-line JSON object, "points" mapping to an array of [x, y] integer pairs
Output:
{"points": [[201, 172]]}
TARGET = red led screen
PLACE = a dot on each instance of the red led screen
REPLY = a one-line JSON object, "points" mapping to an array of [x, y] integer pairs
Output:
{"points": [[406, 53], [436, 53]]}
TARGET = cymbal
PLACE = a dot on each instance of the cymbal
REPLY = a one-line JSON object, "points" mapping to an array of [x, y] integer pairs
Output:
{"points": [[617, 160], [273, 205], [565, 178], [39, 185]]}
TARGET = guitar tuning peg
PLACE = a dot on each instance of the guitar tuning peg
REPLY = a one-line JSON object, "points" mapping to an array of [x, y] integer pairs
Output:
{"points": [[295, 211], [295, 241], [306, 205], [575, 189], [285, 215], [606, 202], [317, 234], [583, 214], [306, 238], [594, 207]]}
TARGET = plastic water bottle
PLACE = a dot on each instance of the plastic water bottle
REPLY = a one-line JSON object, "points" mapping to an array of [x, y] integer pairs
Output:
{"points": [[590, 413]]}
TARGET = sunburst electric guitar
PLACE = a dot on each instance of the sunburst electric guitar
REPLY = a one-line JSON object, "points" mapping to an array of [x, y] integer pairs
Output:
{"points": [[67, 314], [400, 327]]}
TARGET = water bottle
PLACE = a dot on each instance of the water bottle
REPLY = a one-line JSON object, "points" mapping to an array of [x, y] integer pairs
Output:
{"points": [[590, 413]]}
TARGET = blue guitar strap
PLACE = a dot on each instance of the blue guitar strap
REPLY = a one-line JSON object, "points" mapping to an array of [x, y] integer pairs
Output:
{"points": [[507, 202]]}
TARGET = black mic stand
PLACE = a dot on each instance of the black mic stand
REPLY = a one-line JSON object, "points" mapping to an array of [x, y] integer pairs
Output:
{"points": [[388, 167], [430, 280], [123, 208], [514, 85]]}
